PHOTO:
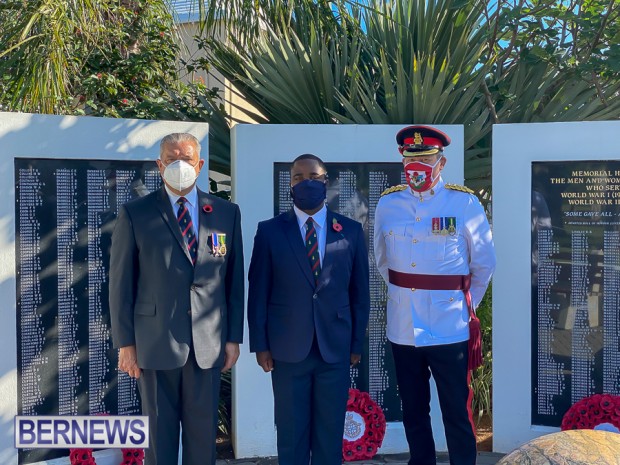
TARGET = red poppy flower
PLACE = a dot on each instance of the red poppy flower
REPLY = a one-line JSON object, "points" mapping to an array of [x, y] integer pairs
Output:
{"points": [[607, 403], [207, 208], [81, 457], [133, 456]]}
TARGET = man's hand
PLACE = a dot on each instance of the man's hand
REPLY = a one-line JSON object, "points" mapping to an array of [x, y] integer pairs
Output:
{"points": [[232, 354], [355, 359], [265, 361], [128, 361]]}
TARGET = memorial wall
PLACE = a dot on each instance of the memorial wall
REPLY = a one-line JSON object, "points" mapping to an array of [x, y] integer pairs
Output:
{"points": [[556, 300], [64, 217], [62, 179], [575, 284]]}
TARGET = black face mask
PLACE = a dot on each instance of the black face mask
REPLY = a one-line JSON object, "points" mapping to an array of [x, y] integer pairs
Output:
{"points": [[309, 194]]}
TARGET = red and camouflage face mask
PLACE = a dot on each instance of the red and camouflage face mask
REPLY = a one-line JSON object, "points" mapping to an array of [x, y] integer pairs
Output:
{"points": [[420, 175]]}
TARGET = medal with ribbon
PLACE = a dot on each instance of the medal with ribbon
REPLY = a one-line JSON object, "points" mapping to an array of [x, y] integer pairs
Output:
{"points": [[451, 225], [219, 244], [444, 226], [221, 239]]}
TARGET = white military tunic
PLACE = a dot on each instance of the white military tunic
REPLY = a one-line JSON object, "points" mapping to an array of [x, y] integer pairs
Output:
{"points": [[404, 241]]}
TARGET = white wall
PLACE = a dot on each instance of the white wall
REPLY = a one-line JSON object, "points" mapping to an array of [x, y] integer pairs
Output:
{"points": [[26, 135], [515, 147], [254, 150]]}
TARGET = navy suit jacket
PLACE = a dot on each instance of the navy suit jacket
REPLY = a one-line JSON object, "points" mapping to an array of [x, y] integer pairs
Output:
{"points": [[286, 308]]}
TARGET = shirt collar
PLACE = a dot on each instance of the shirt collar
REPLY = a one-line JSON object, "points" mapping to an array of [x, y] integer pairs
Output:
{"points": [[430, 193], [319, 217], [191, 197]]}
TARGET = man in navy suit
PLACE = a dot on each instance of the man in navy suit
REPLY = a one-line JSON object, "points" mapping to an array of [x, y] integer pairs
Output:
{"points": [[308, 309]]}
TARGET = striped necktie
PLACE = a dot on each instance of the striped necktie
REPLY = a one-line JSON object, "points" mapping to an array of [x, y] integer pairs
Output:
{"points": [[312, 246], [187, 229]]}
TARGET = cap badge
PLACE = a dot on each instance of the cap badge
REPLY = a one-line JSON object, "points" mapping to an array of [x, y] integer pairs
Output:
{"points": [[417, 139]]}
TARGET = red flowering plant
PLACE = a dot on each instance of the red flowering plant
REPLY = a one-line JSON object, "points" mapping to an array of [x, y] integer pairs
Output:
{"points": [[600, 411], [364, 427], [336, 226], [85, 457]]}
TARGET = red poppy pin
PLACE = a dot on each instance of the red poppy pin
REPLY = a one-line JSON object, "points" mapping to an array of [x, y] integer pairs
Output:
{"points": [[336, 226], [207, 208]]}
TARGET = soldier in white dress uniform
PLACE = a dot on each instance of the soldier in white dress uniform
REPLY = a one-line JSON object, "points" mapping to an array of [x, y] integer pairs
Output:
{"points": [[434, 249]]}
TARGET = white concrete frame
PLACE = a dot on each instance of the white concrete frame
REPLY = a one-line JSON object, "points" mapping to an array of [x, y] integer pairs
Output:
{"points": [[46, 136], [255, 148], [515, 147]]}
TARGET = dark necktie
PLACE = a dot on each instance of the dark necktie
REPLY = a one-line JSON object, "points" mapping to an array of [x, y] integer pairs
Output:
{"points": [[312, 246], [187, 229]]}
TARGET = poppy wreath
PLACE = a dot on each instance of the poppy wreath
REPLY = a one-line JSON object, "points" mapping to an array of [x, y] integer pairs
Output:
{"points": [[364, 427], [85, 457], [600, 411]]}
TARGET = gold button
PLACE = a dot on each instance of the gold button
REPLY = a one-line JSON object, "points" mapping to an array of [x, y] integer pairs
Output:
{"points": [[418, 218], [415, 241], [451, 299], [412, 289], [413, 265]]}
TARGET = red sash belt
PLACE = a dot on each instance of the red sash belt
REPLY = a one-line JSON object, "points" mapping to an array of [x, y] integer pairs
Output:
{"points": [[433, 282]]}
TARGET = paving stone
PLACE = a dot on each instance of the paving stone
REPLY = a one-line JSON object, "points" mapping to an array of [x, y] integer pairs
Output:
{"points": [[484, 458], [488, 458], [268, 461], [394, 458]]}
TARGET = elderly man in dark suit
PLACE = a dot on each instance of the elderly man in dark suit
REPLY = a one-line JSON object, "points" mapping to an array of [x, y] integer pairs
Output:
{"points": [[176, 303], [308, 309]]}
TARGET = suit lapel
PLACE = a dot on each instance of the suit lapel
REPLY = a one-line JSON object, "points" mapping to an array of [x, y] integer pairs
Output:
{"points": [[165, 208], [205, 224], [293, 234]]}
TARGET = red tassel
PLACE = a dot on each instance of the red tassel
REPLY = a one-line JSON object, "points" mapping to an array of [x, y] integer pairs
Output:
{"points": [[475, 344]]}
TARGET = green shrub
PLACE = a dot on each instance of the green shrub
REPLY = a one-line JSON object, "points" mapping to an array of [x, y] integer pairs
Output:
{"points": [[482, 378]]}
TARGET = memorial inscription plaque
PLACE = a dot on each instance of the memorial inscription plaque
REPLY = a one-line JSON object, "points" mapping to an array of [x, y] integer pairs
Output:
{"points": [[64, 216], [575, 285]]}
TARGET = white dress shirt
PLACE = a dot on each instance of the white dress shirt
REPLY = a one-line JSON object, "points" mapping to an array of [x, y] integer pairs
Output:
{"points": [[191, 204], [319, 219]]}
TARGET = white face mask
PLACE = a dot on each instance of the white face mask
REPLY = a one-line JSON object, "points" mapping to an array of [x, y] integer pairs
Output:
{"points": [[180, 175]]}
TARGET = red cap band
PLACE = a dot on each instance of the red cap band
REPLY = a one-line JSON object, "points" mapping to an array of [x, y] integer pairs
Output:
{"points": [[425, 141]]}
